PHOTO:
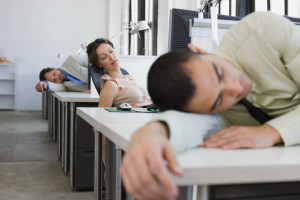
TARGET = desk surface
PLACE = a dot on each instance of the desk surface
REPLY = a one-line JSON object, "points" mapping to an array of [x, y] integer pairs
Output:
{"points": [[205, 166], [76, 97]]}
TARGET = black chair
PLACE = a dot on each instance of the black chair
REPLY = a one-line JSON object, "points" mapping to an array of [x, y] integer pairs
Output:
{"points": [[97, 73]]}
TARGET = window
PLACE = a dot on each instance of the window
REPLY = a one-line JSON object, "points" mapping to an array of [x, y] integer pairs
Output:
{"points": [[294, 8], [261, 5]]}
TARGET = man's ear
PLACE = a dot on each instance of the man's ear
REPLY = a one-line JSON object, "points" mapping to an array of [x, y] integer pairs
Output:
{"points": [[195, 49]]}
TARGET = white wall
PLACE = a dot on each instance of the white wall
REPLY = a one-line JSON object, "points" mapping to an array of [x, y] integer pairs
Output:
{"points": [[137, 67], [33, 32]]}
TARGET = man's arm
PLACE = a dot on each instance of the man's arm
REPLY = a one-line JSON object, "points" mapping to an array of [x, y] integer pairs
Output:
{"points": [[47, 85], [56, 87], [41, 86], [143, 170], [144, 162]]}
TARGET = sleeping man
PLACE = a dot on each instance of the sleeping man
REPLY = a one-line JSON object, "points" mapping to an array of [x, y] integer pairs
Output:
{"points": [[71, 76], [252, 80]]}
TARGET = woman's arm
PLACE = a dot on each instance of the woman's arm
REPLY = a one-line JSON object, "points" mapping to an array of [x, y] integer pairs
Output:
{"points": [[108, 93]]}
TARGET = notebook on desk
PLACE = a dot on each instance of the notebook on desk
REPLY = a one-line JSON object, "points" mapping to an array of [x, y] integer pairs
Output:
{"points": [[134, 110]]}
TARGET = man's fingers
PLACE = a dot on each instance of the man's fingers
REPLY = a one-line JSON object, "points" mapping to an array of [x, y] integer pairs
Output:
{"points": [[196, 49], [139, 179], [237, 144], [170, 157], [192, 47], [162, 174]]}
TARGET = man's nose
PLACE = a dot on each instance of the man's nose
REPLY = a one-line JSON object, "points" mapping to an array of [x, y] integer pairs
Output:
{"points": [[233, 88]]}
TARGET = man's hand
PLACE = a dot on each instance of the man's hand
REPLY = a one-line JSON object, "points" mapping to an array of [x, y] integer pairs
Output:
{"points": [[143, 168], [195, 49], [41, 86], [236, 137]]}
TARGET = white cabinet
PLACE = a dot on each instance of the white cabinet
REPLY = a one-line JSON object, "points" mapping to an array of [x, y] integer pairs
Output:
{"points": [[7, 86]]}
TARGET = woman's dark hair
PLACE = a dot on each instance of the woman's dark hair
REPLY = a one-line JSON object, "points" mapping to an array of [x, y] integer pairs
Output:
{"points": [[43, 72], [170, 85], [92, 48]]}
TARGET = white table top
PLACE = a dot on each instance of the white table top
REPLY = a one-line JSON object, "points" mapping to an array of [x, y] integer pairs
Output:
{"points": [[98, 115], [205, 166], [76, 97]]}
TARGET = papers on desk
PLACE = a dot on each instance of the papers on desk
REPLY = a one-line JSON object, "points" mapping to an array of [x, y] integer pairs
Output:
{"points": [[134, 110]]}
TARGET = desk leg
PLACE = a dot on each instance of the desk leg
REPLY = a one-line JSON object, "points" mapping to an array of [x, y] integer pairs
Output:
{"points": [[44, 104], [63, 124], [58, 130], [97, 166], [53, 117], [113, 178], [194, 192], [50, 113], [72, 132], [66, 146], [202, 193]]}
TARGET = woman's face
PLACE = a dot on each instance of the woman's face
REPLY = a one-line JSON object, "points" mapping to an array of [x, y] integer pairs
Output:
{"points": [[107, 57]]}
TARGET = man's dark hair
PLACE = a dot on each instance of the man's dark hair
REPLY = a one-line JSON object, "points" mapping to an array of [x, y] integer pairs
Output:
{"points": [[43, 72], [92, 50], [170, 85]]}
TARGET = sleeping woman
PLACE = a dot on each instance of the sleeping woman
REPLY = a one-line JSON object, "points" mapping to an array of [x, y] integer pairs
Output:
{"points": [[116, 87]]}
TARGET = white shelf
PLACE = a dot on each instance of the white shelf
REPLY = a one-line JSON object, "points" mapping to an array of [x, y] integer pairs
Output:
{"points": [[7, 86], [7, 64], [3, 93], [7, 79]]}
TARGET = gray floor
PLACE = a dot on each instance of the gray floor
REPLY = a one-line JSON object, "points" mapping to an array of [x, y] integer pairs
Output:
{"points": [[29, 168]]}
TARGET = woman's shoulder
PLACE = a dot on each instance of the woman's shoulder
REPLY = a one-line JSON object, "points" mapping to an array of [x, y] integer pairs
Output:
{"points": [[110, 84], [106, 77], [129, 77]]}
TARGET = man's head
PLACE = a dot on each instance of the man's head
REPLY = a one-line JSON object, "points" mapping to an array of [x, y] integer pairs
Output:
{"points": [[201, 83], [53, 75]]}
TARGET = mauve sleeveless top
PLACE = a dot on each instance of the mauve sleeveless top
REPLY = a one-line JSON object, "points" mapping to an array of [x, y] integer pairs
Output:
{"points": [[131, 92]]}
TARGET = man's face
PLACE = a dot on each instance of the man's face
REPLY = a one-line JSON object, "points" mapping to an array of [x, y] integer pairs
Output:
{"points": [[55, 76], [219, 84]]}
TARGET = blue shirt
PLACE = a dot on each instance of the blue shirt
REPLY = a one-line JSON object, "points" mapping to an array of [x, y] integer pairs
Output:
{"points": [[74, 80]]}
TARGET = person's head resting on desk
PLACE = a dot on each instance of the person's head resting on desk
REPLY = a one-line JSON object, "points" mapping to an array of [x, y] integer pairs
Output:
{"points": [[194, 82], [53, 75]]}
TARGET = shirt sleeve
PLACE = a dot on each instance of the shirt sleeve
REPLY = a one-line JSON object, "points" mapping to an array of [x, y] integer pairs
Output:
{"points": [[56, 87], [187, 130], [287, 42], [288, 126]]}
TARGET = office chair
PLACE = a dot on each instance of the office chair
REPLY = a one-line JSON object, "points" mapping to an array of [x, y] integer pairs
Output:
{"points": [[97, 73]]}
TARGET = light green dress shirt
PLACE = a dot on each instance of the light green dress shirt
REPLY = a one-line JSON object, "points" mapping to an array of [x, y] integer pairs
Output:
{"points": [[265, 46]]}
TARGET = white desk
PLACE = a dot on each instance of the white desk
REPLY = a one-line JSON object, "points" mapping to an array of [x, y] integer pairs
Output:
{"points": [[97, 117], [205, 166], [67, 103]]}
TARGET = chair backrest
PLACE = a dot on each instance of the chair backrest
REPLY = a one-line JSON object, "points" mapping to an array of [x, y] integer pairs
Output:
{"points": [[97, 73]]}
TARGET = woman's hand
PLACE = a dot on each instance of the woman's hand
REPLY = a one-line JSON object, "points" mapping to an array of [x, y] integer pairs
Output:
{"points": [[236, 137], [143, 169]]}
